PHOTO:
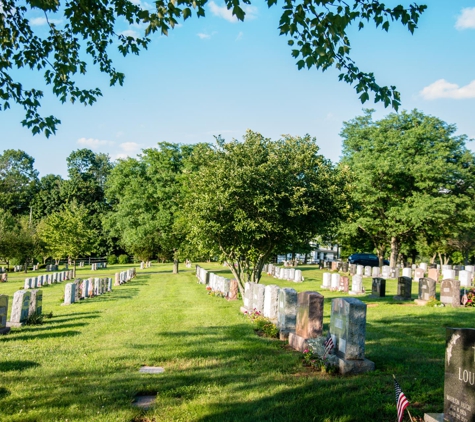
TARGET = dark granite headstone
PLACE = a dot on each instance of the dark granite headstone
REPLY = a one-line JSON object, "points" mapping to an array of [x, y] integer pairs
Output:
{"points": [[450, 292], [309, 314], [344, 267], [379, 287], [459, 385], [427, 288], [404, 287]]}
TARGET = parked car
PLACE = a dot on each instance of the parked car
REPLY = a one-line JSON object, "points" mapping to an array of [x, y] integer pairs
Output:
{"points": [[366, 259]]}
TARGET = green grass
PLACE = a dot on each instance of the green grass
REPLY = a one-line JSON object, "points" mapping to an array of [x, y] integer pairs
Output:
{"points": [[82, 365]]}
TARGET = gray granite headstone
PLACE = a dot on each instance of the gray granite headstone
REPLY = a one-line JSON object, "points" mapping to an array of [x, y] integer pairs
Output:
{"points": [[69, 293], [348, 327], [36, 303], [20, 306], [356, 285], [459, 384], [3, 314], [287, 310], [271, 301], [344, 267], [258, 292], [450, 292], [427, 288], [404, 288]]}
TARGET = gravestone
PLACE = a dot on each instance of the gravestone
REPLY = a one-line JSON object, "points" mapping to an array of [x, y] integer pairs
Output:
{"points": [[20, 308], [291, 274], [459, 384], [356, 285], [418, 274], [407, 272], [248, 296], [271, 302], [334, 266], [326, 281], [36, 303], [258, 292], [378, 287], [298, 276], [448, 274], [386, 271], [85, 288], [423, 265], [69, 293], [427, 288], [359, 270], [109, 284], [404, 287], [348, 331], [434, 274], [344, 267], [344, 284], [309, 322], [90, 292], [450, 292], [287, 312], [395, 272], [470, 268], [233, 290], [3, 314], [352, 268], [367, 271], [335, 282], [465, 278], [375, 271]]}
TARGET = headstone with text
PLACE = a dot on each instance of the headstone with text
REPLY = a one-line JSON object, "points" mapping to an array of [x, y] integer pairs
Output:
{"points": [[3, 314], [36, 303], [287, 315], [404, 288], [427, 289], [450, 292], [20, 308]]}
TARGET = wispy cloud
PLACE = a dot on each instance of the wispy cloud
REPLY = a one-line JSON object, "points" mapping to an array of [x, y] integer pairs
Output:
{"points": [[130, 33], [444, 89], [127, 149], [204, 36], [466, 19], [42, 21], [239, 36], [94, 143], [225, 13]]}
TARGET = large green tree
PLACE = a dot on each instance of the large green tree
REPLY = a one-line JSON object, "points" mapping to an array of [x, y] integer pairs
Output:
{"points": [[410, 175], [256, 197], [82, 31]]}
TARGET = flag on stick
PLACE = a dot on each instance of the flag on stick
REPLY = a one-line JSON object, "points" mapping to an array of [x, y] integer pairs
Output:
{"points": [[401, 401], [328, 344]]}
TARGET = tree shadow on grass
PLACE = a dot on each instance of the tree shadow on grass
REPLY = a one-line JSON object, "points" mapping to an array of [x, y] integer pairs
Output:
{"points": [[13, 336], [17, 365]]}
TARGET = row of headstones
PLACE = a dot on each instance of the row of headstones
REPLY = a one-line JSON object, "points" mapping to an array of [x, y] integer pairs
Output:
{"points": [[25, 304], [98, 265], [229, 288], [87, 288], [290, 274], [144, 265], [299, 317], [41, 280]]}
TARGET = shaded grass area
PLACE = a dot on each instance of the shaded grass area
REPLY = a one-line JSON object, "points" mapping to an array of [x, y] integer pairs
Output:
{"points": [[82, 365]]}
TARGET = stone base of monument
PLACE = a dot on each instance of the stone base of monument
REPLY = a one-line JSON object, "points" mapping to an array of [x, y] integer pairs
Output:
{"points": [[420, 302], [433, 417], [351, 367], [401, 298], [297, 342], [4, 330], [352, 293], [15, 324]]}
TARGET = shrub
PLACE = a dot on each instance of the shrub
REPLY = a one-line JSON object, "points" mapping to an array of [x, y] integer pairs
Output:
{"points": [[262, 325], [123, 259], [319, 363], [112, 259]]}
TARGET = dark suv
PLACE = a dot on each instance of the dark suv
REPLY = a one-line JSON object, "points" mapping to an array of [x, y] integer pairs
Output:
{"points": [[366, 259]]}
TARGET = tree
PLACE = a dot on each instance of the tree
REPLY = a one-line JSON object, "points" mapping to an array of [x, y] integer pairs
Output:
{"points": [[67, 233], [48, 197], [409, 175], [317, 32], [18, 181], [256, 197]]}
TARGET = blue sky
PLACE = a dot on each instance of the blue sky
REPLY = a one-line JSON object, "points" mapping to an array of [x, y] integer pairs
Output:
{"points": [[215, 76]]}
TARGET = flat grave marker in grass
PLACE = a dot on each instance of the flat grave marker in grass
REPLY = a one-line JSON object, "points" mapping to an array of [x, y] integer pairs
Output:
{"points": [[151, 370]]}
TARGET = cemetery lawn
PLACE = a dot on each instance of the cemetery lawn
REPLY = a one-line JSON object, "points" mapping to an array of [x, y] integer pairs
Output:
{"points": [[83, 363]]}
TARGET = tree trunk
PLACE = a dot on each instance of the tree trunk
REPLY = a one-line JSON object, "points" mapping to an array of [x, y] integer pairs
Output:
{"points": [[394, 252], [74, 269], [380, 251], [175, 266], [432, 260]]}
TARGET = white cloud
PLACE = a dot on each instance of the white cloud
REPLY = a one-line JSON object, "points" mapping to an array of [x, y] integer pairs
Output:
{"points": [[93, 143], [130, 33], [130, 147], [444, 89], [239, 36], [42, 21], [466, 19], [225, 13], [204, 36]]}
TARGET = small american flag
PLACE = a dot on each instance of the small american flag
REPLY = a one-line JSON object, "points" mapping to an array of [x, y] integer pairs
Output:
{"points": [[329, 345], [401, 401]]}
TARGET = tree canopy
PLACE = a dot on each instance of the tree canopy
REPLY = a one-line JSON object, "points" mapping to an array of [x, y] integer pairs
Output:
{"points": [[410, 176], [259, 195], [317, 32]]}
